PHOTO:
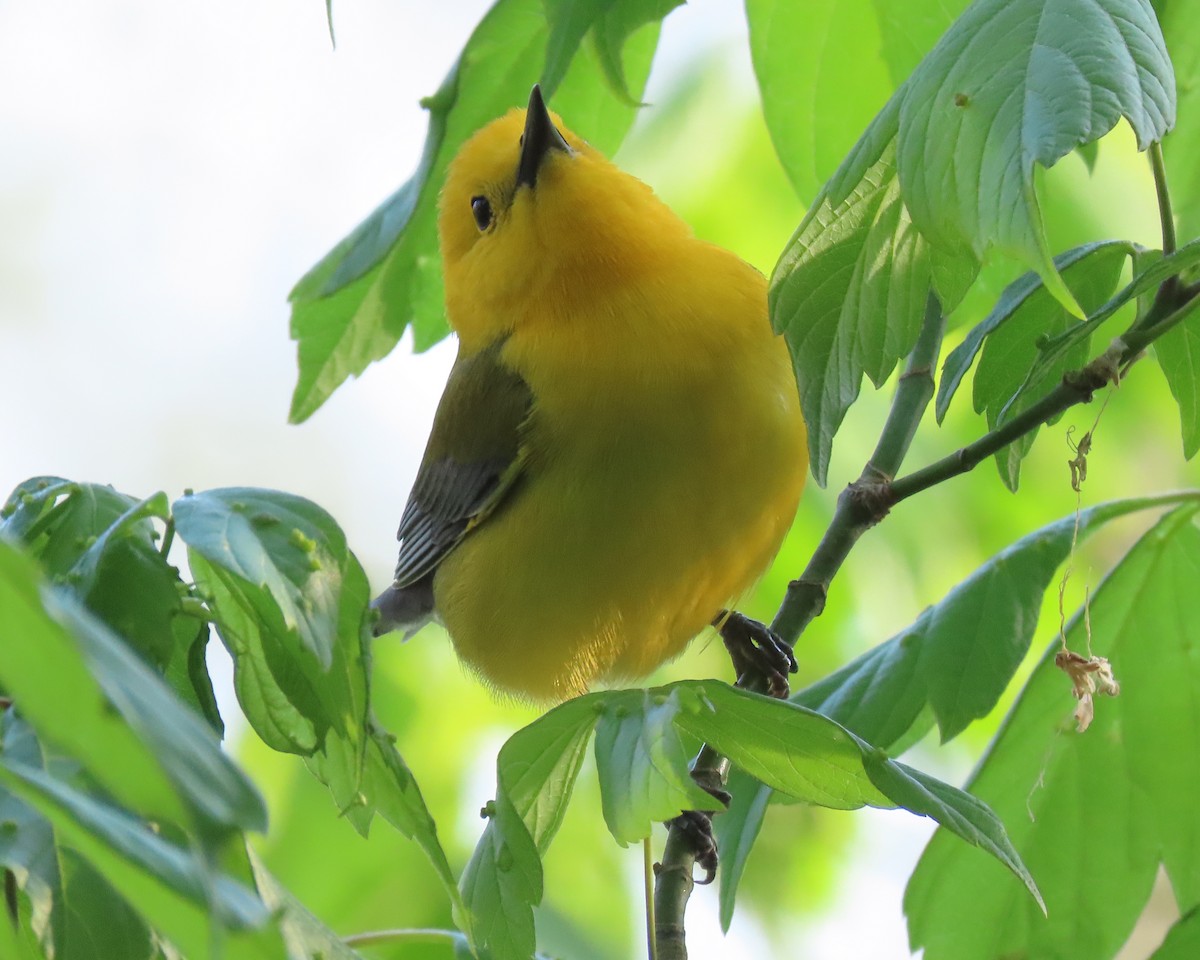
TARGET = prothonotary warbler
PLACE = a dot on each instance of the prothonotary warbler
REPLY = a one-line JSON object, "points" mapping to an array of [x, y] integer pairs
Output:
{"points": [[619, 450]]}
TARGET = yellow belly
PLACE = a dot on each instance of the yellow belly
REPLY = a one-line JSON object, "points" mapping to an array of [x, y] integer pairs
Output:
{"points": [[639, 516]]}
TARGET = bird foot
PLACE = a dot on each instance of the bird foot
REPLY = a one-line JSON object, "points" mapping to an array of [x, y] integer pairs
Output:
{"points": [[698, 831], [697, 825], [756, 651]]}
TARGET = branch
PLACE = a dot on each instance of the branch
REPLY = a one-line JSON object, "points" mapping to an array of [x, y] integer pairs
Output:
{"points": [[860, 506], [868, 499], [1076, 387], [804, 601], [673, 885]]}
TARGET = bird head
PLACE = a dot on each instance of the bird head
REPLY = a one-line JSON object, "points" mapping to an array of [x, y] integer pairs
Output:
{"points": [[530, 214]]}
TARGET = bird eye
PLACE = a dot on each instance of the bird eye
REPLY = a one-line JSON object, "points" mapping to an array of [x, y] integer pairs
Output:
{"points": [[482, 211]]}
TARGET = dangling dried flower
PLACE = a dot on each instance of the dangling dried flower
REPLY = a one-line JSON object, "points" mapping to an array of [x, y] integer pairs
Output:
{"points": [[1089, 676]]}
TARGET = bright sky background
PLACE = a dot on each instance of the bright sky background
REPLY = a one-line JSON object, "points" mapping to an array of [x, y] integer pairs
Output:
{"points": [[167, 172]]}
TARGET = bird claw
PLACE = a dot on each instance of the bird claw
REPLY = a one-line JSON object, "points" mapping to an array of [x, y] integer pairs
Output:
{"points": [[697, 827], [698, 830], [756, 650]]}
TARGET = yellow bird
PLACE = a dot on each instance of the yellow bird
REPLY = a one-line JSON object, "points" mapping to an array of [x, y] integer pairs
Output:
{"points": [[619, 450]]}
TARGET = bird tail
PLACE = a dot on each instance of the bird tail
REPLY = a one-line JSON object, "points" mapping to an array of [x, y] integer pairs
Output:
{"points": [[406, 608]]}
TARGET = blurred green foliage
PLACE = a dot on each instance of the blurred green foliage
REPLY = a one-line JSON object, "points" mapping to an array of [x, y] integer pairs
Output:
{"points": [[704, 145], [726, 180]]}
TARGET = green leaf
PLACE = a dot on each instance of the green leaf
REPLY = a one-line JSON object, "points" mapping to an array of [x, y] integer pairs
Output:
{"points": [[285, 549], [816, 105], [1017, 297], [101, 544], [791, 749], [127, 583], [609, 22], [275, 566], [1178, 21], [955, 810], [968, 646], [1092, 814], [1183, 939], [187, 673], [99, 924], [1012, 84], [1178, 354], [353, 306], [624, 23], [736, 831], [58, 520], [16, 943], [811, 758], [26, 839], [290, 603], [185, 746], [1088, 152], [68, 672], [164, 883], [848, 295], [274, 691], [535, 774], [305, 935], [390, 786], [86, 570], [1004, 385], [42, 668], [75, 911], [1019, 83], [1051, 351], [952, 664], [643, 766]]}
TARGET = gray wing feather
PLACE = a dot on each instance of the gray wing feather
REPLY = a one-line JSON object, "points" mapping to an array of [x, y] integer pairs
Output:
{"points": [[466, 470]]}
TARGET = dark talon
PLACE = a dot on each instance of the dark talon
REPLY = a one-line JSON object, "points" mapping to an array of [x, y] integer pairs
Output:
{"points": [[697, 828], [756, 650], [697, 824]]}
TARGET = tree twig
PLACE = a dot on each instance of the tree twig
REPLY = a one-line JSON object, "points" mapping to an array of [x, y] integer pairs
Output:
{"points": [[860, 505], [1076, 387], [867, 501], [673, 885], [804, 601]]}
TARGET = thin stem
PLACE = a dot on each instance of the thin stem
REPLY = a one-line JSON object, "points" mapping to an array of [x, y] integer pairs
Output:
{"points": [[673, 885], [1170, 288], [168, 538], [1076, 387], [648, 889], [913, 393], [858, 506], [867, 501], [1164, 198], [426, 935], [805, 599]]}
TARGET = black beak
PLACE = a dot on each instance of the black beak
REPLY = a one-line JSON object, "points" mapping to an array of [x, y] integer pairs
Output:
{"points": [[540, 138]]}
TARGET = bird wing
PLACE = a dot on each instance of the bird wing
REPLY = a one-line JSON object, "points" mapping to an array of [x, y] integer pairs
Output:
{"points": [[473, 458]]}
